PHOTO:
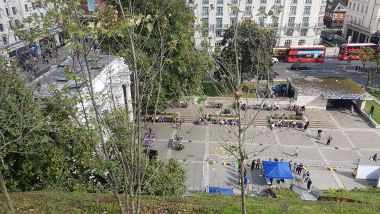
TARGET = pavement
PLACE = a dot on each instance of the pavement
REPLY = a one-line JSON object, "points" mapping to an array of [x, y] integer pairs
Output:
{"points": [[205, 159]]}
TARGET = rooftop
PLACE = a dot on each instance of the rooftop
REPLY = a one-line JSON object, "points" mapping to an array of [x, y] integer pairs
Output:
{"points": [[56, 77], [330, 88]]}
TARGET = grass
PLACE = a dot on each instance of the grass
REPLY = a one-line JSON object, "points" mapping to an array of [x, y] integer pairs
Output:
{"points": [[376, 111], [215, 89], [287, 202]]}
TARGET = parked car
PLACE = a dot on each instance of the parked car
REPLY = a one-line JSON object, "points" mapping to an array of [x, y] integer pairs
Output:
{"points": [[274, 60], [300, 66]]}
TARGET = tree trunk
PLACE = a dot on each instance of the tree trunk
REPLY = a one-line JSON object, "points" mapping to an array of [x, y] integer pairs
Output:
{"points": [[5, 193], [241, 160]]}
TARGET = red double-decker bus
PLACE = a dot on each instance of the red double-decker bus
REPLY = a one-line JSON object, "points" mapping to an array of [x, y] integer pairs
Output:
{"points": [[306, 53], [351, 51]]}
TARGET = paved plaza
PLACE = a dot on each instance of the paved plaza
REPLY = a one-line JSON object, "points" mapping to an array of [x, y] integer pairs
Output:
{"points": [[204, 157]]}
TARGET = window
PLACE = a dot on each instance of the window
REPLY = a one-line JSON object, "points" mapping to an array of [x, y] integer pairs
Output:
{"points": [[262, 9], [219, 10], [219, 1], [218, 33], [26, 8], [288, 42], [366, 9], [291, 22], [301, 42], [294, 2], [308, 1], [305, 21], [205, 22], [205, 33], [306, 11], [303, 32], [263, 1], [349, 5], [293, 10], [5, 40], [354, 5], [322, 10], [289, 32], [7, 11], [219, 22], [248, 2], [205, 1], [234, 1], [277, 1], [204, 11], [362, 10], [262, 21], [33, 6], [14, 10], [1, 28], [275, 21], [357, 8], [248, 10], [233, 20]]}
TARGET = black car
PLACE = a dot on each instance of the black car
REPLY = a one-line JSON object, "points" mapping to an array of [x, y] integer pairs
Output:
{"points": [[299, 66]]}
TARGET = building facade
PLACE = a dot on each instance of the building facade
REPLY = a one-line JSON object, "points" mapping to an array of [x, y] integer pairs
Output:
{"points": [[335, 13], [299, 21], [13, 12], [362, 21]]}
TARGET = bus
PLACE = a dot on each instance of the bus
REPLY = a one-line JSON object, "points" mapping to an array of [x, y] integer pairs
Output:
{"points": [[306, 53], [351, 51], [280, 52]]}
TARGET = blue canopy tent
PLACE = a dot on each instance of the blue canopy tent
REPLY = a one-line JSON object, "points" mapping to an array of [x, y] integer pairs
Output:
{"points": [[219, 190], [277, 170]]}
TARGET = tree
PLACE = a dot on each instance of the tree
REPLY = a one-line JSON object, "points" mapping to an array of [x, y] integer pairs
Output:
{"points": [[366, 55], [254, 53], [19, 118]]}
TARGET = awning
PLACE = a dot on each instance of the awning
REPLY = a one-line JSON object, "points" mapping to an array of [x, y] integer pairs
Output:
{"points": [[277, 170]]}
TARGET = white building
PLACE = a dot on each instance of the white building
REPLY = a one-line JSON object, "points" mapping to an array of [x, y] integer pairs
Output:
{"points": [[12, 14], [300, 21], [362, 21]]}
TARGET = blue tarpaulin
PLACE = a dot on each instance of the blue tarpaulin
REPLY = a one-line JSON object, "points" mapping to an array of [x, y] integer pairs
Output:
{"points": [[219, 190], [277, 170]]}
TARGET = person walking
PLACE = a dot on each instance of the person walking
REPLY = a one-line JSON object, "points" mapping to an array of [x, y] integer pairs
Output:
{"points": [[306, 126], [246, 181], [296, 152], [319, 134], [371, 111], [352, 109], [258, 164], [253, 165], [309, 182], [329, 140], [374, 157]]}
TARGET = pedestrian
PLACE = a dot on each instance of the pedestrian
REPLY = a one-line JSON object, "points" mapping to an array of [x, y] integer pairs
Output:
{"points": [[246, 181], [271, 181], [319, 134], [309, 182], [352, 109], [371, 110], [306, 126], [329, 140], [295, 167], [253, 164], [374, 158], [290, 165], [356, 68], [258, 164], [296, 152]]}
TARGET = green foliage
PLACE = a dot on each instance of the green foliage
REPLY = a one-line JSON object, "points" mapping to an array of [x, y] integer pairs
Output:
{"points": [[254, 47]]}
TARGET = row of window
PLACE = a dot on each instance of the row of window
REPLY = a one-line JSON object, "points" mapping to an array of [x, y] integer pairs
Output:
{"points": [[249, 1], [355, 20], [300, 42], [248, 10], [358, 7], [14, 10]]}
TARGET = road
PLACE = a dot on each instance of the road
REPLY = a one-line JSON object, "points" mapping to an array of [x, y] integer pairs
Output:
{"points": [[332, 67]]}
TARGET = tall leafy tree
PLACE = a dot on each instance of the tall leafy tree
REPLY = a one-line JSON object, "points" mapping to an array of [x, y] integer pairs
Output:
{"points": [[19, 118], [366, 55], [247, 53]]}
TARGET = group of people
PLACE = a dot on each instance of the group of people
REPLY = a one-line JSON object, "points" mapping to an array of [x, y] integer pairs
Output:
{"points": [[283, 123], [301, 169]]}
